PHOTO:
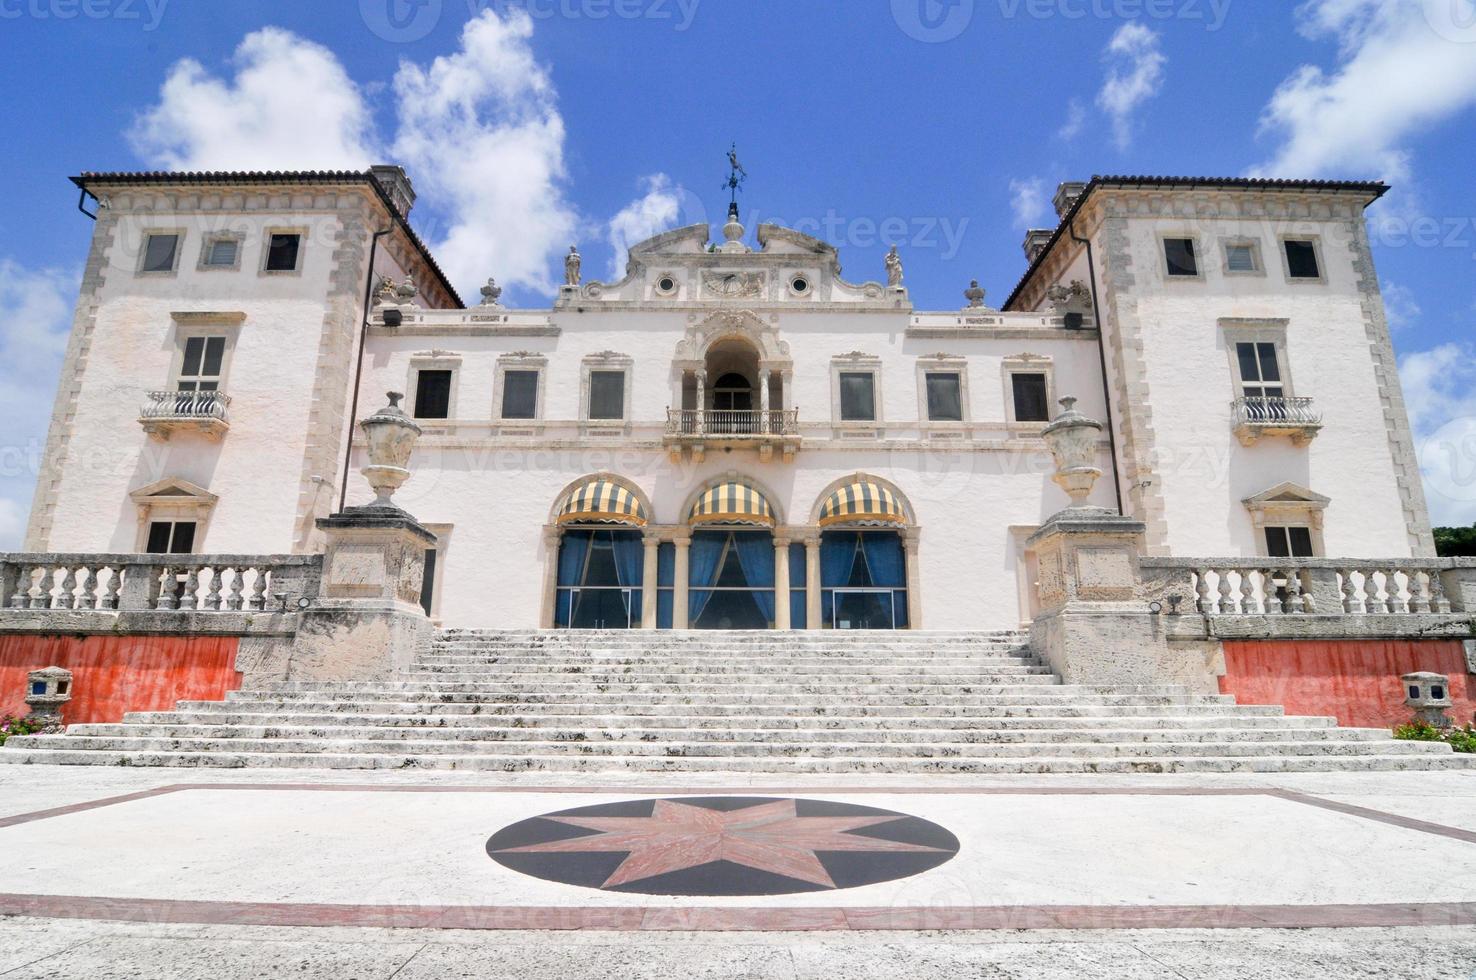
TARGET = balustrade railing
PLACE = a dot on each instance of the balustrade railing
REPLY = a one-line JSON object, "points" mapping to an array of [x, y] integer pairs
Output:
{"points": [[183, 583], [1289, 586], [185, 405], [732, 422], [1275, 412]]}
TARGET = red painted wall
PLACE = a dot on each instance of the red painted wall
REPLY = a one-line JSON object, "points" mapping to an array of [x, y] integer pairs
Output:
{"points": [[1356, 681], [116, 674]]}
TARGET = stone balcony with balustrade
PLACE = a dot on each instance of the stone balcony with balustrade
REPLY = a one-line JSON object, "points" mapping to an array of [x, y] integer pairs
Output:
{"points": [[694, 431], [1254, 418], [167, 412]]}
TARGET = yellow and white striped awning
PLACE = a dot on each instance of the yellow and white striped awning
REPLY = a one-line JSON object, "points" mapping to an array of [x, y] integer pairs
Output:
{"points": [[604, 501], [862, 502], [731, 503]]}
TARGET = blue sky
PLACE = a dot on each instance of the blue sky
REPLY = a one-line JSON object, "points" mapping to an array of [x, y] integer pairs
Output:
{"points": [[941, 126]]}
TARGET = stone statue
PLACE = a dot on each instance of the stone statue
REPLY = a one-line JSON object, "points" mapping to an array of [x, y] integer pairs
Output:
{"points": [[1075, 295], [894, 268], [974, 294], [491, 293], [385, 291], [572, 263]]}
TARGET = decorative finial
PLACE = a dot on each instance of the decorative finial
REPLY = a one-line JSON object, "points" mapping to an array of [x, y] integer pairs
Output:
{"points": [[736, 176], [491, 293], [974, 294]]}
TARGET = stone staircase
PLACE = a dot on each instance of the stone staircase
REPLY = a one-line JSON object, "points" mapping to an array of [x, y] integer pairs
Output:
{"points": [[924, 702]]}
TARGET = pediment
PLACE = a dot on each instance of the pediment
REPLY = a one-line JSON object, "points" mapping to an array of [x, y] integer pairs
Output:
{"points": [[1287, 493], [174, 489]]}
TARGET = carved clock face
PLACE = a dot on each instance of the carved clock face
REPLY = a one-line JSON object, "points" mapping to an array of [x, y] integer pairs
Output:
{"points": [[733, 284]]}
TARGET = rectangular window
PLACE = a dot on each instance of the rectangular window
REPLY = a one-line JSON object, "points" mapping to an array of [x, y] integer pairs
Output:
{"points": [[159, 253], [607, 394], [200, 368], [945, 396], [1240, 258], [858, 396], [519, 394], [433, 395], [282, 251], [221, 253], [171, 538], [1260, 373], [1289, 542], [1031, 401], [1301, 259], [1179, 254]]}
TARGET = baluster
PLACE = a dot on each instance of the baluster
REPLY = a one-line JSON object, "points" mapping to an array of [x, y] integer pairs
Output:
{"points": [[189, 585], [1270, 601], [108, 599], [65, 599], [1203, 598], [168, 589], [233, 590], [1227, 594], [212, 594], [22, 597], [1397, 601], [87, 596], [1376, 601], [1294, 591], [258, 589], [1419, 595], [41, 598], [1438, 602], [1349, 591]]}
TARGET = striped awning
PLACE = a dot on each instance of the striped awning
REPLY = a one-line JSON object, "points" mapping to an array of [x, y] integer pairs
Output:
{"points": [[602, 500], [862, 502], [732, 503]]}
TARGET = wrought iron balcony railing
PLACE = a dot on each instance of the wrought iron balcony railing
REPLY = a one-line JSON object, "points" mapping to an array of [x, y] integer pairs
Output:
{"points": [[732, 422], [1256, 417], [166, 411]]}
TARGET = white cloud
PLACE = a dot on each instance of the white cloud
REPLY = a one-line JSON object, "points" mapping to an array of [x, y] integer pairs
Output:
{"points": [[1028, 202], [290, 105], [1135, 64], [653, 212], [39, 318], [1400, 306], [1076, 115], [480, 130], [1403, 67], [1440, 394]]}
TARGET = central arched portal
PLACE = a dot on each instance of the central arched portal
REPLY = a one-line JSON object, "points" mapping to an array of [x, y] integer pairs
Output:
{"points": [[731, 571]]}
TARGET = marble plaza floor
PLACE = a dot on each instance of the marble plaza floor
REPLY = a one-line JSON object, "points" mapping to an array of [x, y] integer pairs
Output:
{"points": [[156, 872]]}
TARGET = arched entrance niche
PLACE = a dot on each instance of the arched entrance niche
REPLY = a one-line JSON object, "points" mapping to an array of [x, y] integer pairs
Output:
{"points": [[867, 557], [597, 564], [732, 574], [731, 373]]}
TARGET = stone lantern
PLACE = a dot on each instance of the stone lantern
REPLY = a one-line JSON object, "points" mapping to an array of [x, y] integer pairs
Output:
{"points": [[1429, 695], [391, 437], [46, 691], [1072, 439]]}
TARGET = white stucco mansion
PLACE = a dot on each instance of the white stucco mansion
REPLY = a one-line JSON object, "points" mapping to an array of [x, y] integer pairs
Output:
{"points": [[733, 435]]}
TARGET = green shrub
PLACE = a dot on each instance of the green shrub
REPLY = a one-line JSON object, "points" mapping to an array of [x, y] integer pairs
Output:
{"points": [[16, 725], [1459, 739]]}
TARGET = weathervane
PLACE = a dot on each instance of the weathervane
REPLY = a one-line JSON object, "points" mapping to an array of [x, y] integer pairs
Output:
{"points": [[736, 176]]}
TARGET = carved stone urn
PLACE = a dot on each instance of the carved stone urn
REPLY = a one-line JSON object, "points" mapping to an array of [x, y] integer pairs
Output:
{"points": [[391, 436], [1072, 438]]}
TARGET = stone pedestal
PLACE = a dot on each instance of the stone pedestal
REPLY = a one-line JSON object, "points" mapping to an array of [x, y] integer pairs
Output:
{"points": [[1094, 626], [367, 623]]}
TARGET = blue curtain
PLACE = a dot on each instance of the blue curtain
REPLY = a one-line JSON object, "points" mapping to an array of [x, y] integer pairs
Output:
{"points": [[884, 559], [665, 579], [756, 555], [837, 559], [704, 565], [629, 562], [797, 573], [573, 550]]}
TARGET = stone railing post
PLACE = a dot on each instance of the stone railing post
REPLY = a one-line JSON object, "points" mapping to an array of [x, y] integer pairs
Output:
{"points": [[1459, 584], [1324, 591]]}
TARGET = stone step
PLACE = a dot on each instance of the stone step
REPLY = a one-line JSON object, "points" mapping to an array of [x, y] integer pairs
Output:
{"points": [[736, 750], [532, 723], [726, 669], [1063, 708], [566, 684], [798, 698], [421, 734], [1318, 762], [724, 648]]}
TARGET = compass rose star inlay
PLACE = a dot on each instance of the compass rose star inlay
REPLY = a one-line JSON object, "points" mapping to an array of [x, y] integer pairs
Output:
{"points": [[768, 836]]}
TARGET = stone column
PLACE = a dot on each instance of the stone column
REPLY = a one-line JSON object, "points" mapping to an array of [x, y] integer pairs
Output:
{"points": [[812, 581], [701, 421], [914, 578], [781, 582], [649, 580], [683, 544], [764, 401], [548, 602]]}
